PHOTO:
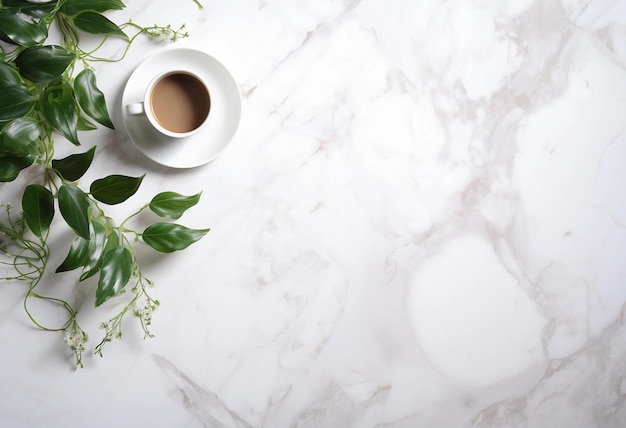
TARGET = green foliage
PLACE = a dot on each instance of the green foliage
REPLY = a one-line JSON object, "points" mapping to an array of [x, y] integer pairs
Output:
{"points": [[19, 137], [74, 207], [77, 256], [8, 75], [90, 98], [96, 23], [170, 237], [74, 166], [42, 64], [95, 249], [117, 265], [36, 9], [172, 204], [21, 28], [11, 166], [115, 189], [48, 89], [16, 101], [38, 206], [84, 124], [74, 7], [58, 106]]}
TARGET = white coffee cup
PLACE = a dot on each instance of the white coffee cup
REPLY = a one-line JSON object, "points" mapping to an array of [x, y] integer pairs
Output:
{"points": [[176, 103]]}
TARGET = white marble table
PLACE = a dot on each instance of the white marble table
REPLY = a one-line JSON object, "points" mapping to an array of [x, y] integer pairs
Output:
{"points": [[421, 222]]}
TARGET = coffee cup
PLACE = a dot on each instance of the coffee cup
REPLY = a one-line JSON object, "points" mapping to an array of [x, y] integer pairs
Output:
{"points": [[176, 104]]}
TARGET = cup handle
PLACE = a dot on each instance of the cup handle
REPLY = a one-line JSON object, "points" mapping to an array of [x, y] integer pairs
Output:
{"points": [[135, 109]]}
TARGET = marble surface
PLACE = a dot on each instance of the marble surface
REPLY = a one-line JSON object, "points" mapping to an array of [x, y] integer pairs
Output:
{"points": [[421, 222]]}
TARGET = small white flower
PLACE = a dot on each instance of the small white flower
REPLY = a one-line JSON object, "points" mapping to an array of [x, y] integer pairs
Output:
{"points": [[76, 339], [143, 310]]}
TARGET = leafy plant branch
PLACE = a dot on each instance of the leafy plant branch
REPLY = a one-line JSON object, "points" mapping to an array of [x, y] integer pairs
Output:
{"points": [[49, 90]]}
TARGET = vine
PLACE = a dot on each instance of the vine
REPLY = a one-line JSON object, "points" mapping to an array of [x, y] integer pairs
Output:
{"points": [[50, 90]]}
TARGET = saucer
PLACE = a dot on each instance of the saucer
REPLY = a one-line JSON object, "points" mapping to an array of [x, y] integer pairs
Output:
{"points": [[223, 120]]}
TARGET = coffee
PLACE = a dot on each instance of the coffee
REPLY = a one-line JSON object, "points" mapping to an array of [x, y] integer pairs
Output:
{"points": [[180, 102]]}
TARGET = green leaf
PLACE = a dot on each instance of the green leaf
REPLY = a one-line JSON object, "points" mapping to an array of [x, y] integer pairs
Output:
{"points": [[115, 272], [93, 258], [172, 204], [74, 166], [37, 9], [8, 76], [16, 101], [73, 7], [88, 254], [21, 28], [41, 64], [77, 255], [90, 98], [112, 241], [74, 207], [59, 107], [115, 189], [18, 137], [4, 38], [38, 207], [169, 237], [84, 124], [11, 166], [96, 23]]}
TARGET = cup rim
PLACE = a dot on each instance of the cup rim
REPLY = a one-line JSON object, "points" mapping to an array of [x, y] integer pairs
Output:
{"points": [[148, 106]]}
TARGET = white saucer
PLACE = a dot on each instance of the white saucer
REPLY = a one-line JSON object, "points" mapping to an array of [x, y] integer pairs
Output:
{"points": [[224, 117]]}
